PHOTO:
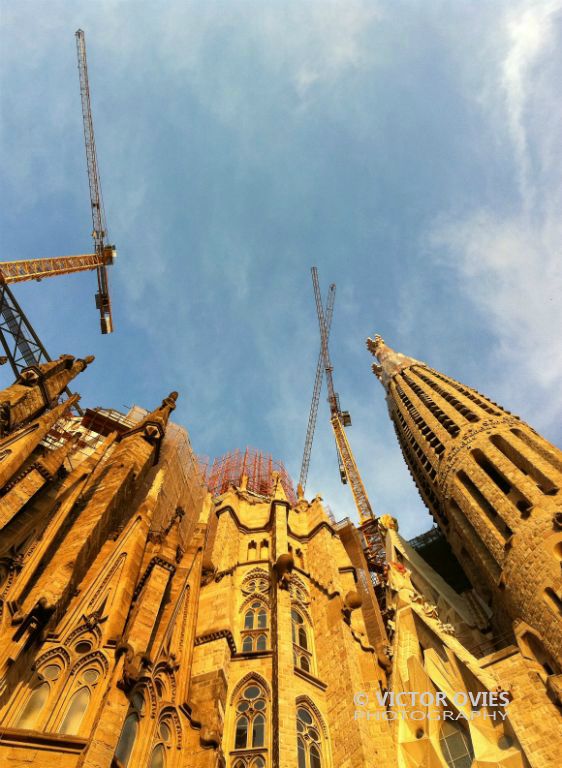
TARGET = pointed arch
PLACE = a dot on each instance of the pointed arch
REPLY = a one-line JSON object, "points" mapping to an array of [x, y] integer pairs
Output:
{"points": [[85, 631], [170, 714], [127, 739], [455, 743], [253, 598], [256, 573], [251, 677], [313, 747], [306, 701], [108, 576], [93, 658], [166, 675], [257, 581], [251, 715], [34, 706], [58, 651], [76, 711]]}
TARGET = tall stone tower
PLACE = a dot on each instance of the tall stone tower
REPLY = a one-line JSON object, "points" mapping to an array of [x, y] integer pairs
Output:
{"points": [[284, 639], [492, 484]]}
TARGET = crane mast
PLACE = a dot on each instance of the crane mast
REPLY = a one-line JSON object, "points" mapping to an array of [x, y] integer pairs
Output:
{"points": [[18, 338], [340, 419], [99, 232], [373, 543], [316, 393]]}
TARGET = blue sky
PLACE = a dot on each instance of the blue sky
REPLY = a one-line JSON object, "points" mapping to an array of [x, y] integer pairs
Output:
{"points": [[411, 150]]}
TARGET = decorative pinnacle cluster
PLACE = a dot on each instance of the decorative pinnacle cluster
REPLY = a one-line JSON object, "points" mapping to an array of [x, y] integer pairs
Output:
{"points": [[375, 346], [391, 362]]}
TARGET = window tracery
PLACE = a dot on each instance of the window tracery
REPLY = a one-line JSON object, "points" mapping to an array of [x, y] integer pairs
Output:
{"points": [[83, 681], [255, 612], [255, 628], [129, 732], [250, 731], [309, 740], [52, 682], [302, 646], [257, 581]]}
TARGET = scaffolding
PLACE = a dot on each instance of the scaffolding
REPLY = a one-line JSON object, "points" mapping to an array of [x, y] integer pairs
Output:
{"points": [[258, 467]]}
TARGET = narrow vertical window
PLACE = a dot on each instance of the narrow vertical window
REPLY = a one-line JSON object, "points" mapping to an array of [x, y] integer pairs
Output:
{"points": [[309, 748], [261, 643], [158, 757], [248, 644], [250, 730], [30, 714], [76, 711], [127, 739], [258, 731], [241, 739]]}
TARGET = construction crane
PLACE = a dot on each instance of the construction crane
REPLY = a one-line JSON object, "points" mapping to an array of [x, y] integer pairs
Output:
{"points": [[21, 343], [316, 393], [349, 471], [99, 233], [340, 419]]}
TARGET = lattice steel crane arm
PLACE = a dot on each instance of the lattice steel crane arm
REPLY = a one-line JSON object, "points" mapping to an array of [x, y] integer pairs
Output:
{"points": [[99, 232], [316, 392], [38, 269], [352, 472], [332, 397]]}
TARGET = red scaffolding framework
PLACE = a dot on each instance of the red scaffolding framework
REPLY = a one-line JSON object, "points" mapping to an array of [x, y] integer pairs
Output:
{"points": [[229, 470]]}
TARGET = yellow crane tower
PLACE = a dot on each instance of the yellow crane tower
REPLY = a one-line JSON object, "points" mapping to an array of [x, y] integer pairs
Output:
{"points": [[349, 471], [21, 343]]}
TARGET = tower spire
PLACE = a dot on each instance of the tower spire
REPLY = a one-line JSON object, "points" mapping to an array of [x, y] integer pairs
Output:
{"points": [[491, 484]]}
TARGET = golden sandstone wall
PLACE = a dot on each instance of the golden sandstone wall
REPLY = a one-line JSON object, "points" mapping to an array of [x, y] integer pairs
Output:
{"points": [[146, 623]]}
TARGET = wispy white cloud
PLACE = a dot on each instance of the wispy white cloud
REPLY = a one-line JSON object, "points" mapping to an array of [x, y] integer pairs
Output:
{"points": [[530, 31], [239, 143], [507, 254]]}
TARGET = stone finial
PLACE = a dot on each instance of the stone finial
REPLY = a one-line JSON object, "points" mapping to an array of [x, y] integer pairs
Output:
{"points": [[389, 361], [374, 345]]}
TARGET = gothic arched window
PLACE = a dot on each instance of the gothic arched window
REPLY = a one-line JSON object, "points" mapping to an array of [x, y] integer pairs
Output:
{"points": [[261, 643], [255, 621], [85, 683], [158, 757], [130, 729], [256, 616], [250, 731], [76, 711], [41, 686], [456, 745], [301, 646], [248, 644], [309, 747], [35, 704]]}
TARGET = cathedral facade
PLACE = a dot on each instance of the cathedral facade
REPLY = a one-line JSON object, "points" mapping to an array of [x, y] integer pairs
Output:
{"points": [[156, 616]]}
